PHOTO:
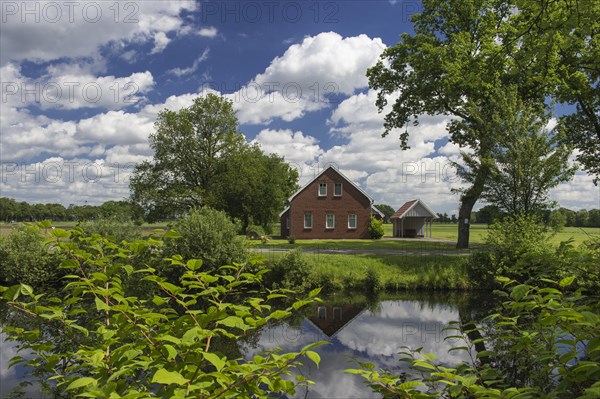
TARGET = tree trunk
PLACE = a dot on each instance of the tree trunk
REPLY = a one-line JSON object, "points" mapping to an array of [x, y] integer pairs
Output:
{"points": [[464, 223], [467, 202]]}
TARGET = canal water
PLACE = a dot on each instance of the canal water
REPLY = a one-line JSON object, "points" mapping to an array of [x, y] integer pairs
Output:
{"points": [[354, 327]]}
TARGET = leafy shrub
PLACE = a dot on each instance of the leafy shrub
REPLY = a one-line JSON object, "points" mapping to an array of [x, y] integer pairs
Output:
{"points": [[291, 239], [254, 232], [517, 247], [376, 230], [25, 258], [372, 282], [209, 235], [289, 271], [96, 340], [551, 333]]}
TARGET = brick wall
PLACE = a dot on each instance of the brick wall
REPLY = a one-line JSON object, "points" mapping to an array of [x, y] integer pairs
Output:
{"points": [[351, 201]]}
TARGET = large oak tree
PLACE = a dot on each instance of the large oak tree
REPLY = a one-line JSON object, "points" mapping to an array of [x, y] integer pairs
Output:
{"points": [[201, 159], [464, 54]]}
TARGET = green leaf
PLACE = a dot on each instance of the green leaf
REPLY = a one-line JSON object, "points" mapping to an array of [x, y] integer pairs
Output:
{"points": [[519, 291], [314, 356], [60, 233], [567, 281], [172, 234], [214, 360], [26, 289], [314, 292], [171, 350], [233, 321], [194, 264], [101, 305], [165, 377], [81, 382]]}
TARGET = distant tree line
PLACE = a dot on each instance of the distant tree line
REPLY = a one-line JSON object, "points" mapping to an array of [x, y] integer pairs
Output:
{"points": [[561, 217], [15, 211]]}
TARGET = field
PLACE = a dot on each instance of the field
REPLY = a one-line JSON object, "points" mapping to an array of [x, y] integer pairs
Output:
{"points": [[478, 231], [444, 234]]}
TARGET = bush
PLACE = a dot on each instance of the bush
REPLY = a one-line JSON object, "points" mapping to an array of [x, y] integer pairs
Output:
{"points": [[376, 230], [544, 344], [209, 235], [518, 247], [372, 282], [291, 239], [289, 271], [112, 228], [97, 340], [25, 258]]}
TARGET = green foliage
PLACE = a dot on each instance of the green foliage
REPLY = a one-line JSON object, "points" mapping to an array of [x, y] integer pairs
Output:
{"points": [[387, 211], [290, 271], [209, 235], [376, 230], [372, 283], [26, 258], [291, 240], [528, 161], [517, 247], [551, 332], [201, 159], [557, 220], [97, 340], [112, 227]]}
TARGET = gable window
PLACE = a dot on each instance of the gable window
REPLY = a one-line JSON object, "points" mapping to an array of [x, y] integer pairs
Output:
{"points": [[322, 189], [322, 313], [287, 222], [330, 221], [337, 313], [337, 190], [352, 220], [308, 220]]}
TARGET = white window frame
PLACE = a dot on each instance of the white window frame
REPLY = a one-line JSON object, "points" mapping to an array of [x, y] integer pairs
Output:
{"points": [[322, 313], [287, 222], [327, 220], [322, 185], [355, 221], [341, 189], [311, 220]]}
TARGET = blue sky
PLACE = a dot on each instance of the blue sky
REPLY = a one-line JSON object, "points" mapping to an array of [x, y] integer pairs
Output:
{"points": [[82, 83]]}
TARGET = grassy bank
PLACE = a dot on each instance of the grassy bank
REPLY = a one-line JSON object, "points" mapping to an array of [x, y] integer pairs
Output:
{"points": [[392, 272]]}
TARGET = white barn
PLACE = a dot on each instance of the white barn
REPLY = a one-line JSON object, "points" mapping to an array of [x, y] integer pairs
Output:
{"points": [[413, 219]]}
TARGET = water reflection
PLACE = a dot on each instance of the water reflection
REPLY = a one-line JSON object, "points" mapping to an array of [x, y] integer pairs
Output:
{"points": [[369, 329], [10, 378], [370, 332]]}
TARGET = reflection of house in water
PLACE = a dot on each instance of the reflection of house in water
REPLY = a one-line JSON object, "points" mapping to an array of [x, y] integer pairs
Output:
{"points": [[331, 318]]}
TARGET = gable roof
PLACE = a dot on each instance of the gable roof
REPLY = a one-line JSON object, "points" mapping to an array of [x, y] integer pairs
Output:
{"points": [[375, 210], [403, 210], [339, 173]]}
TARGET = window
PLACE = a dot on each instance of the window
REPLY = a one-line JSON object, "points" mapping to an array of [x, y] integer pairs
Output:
{"points": [[337, 190], [287, 223], [330, 221], [308, 220], [352, 221], [322, 313], [322, 189], [337, 313]]}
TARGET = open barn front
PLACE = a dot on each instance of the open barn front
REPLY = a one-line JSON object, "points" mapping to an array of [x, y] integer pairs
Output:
{"points": [[413, 219]]}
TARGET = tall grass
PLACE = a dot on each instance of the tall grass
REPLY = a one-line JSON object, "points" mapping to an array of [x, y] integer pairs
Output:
{"points": [[394, 272]]}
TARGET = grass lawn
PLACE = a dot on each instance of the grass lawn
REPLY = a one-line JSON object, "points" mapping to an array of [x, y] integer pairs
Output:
{"points": [[409, 245], [478, 232]]}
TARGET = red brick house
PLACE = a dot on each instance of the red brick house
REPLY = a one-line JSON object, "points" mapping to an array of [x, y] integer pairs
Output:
{"points": [[330, 206]]}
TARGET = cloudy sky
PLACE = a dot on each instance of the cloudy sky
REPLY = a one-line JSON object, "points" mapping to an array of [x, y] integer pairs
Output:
{"points": [[82, 83]]}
